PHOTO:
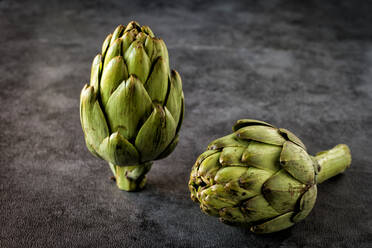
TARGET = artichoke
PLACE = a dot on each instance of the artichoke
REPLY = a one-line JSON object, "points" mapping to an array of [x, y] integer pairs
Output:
{"points": [[262, 177], [132, 110]]}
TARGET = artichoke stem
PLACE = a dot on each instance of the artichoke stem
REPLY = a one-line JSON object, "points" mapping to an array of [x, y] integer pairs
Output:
{"points": [[131, 178], [333, 162]]}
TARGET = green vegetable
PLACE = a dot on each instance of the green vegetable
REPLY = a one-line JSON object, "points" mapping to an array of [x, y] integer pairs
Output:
{"points": [[132, 110], [261, 176]]}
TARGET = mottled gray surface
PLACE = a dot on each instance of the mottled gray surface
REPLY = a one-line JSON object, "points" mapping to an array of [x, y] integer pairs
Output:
{"points": [[303, 66]]}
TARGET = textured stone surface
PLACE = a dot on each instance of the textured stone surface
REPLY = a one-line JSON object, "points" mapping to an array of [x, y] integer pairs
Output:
{"points": [[303, 66]]}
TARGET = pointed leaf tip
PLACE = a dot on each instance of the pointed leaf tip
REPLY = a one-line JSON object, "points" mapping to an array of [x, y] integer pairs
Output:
{"points": [[175, 97], [249, 122], [117, 33], [137, 61], [96, 72], [265, 134], [132, 25], [156, 133], [113, 51], [290, 136], [112, 76], [157, 83], [106, 44], [118, 150], [92, 119], [147, 30], [160, 50]]}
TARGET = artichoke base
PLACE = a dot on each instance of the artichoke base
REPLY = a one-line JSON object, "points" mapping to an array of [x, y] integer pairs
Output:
{"points": [[132, 177]]}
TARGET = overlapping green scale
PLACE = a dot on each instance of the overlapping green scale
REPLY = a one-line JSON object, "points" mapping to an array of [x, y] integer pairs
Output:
{"points": [[208, 168], [295, 160], [230, 178], [261, 133], [248, 122], [105, 45], [258, 208], [96, 70], [138, 107], [230, 140], [217, 197], [262, 155], [114, 73], [157, 83], [175, 97], [281, 222], [138, 61], [113, 51], [156, 133], [231, 215], [92, 118], [231, 156], [306, 204], [253, 179], [117, 33], [118, 150], [282, 191]]}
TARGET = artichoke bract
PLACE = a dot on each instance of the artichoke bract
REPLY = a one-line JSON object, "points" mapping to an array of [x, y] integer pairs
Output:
{"points": [[262, 177], [132, 110]]}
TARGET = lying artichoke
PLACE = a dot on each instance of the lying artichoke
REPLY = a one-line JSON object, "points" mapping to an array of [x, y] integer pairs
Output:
{"points": [[132, 110], [261, 176]]}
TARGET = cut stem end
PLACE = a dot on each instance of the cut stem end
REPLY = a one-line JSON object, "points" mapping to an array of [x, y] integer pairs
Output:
{"points": [[333, 162]]}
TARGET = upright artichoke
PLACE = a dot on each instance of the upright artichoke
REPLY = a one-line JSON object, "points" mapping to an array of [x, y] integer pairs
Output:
{"points": [[262, 176], [132, 110]]}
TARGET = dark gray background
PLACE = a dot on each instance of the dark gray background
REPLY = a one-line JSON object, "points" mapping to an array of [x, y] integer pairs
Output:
{"points": [[302, 65]]}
